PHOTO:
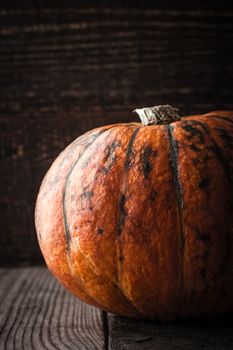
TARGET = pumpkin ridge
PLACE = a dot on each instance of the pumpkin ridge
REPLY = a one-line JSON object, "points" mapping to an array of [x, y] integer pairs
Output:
{"points": [[109, 283], [92, 265], [122, 211], [67, 151], [216, 150], [81, 142], [110, 157], [122, 199], [66, 226], [218, 153], [195, 139], [65, 221], [129, 151], [222, 118], [147, 166], [179, 195]]}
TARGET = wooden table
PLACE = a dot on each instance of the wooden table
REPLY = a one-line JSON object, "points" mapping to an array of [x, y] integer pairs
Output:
{"points": [[37, 313]]}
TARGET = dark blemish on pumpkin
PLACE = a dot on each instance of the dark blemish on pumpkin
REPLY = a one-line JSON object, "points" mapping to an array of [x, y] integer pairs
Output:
{"points": [[189, 127], [87, 162], [148, 152], [103, 170], [129, 151], [100, 231], [204, 183], [121, 258], [194, 148], [217, 151], [225, 136], [206, 158], [87, 195], [110, 157], [65, 220], [174, 166], [223, 160], [221, 153], [90, 157], [221, 118], [227, 139], [195, 162], [198, 163], [122, 214], [227, 142], [204, 237], [153, 195]]}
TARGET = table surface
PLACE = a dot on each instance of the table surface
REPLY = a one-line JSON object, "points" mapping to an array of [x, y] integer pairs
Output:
{"points": [[37, 313]]}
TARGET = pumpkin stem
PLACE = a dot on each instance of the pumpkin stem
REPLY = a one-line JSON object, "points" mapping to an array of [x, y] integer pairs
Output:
{"points": [[164, 114]]}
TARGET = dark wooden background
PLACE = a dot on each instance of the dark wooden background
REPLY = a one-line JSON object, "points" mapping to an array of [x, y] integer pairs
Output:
{"points": [[66, 67]]}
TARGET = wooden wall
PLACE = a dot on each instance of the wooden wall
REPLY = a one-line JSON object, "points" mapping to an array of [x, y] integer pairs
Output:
{"points": [[67, 68]]}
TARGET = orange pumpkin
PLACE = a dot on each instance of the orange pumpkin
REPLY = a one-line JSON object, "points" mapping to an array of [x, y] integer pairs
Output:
{"points": [[138, 219]]}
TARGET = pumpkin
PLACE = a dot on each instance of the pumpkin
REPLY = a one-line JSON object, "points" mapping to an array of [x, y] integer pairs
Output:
{"points": [[136, 219]]}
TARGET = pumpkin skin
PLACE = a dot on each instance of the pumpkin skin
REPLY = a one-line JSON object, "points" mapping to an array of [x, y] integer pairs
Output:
{"points": [[137, 220]]}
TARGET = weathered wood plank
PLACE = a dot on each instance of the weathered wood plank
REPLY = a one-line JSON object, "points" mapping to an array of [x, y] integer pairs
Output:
{"points": [[131, 334], [37, 313]]}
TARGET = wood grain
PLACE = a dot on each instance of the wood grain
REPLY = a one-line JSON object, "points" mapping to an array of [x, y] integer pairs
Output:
{"points": [[37, 313], [68, 68], [129, 334]]}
